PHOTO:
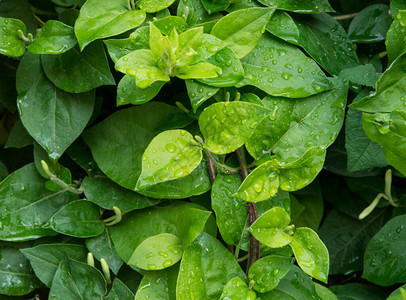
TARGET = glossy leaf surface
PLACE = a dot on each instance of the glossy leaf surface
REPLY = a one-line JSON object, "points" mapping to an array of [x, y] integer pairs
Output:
{"points": [[10, 43], [306, 7]]}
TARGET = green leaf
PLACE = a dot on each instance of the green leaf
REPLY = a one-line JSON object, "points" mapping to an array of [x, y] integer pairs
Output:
{"points": [[269, 228], [73, 279], [10, 42], [232, 71], [198, 71], [213, 6], [396, 37], [226, 126], [242, 29], [129, 93], [16, 274], [265, 180], [199, 92], [119, 291], [53, 38], [347, 238], [281, 69], [384, 262], [102, 247], [98, 20], [283, 26], [157, 252], [296, 125], [398, 294], [296, 285], [21, 10], [63, 116], [143, 65], [195, 14], [130, 139], [170, 155], [236, 288], [358, 291], [268, 271], [395, 6], [304, 7], [370, 25], [311, 254], [77, 72], [158, 284], [151, 6], [206, 267], [45, 258], [23, 196], [105, 193], [231, 212], [19, 137], [362, 75], [80, 218], [324, 293], [3, 171], [390, 90], [184, 220], [327, 42], [388, 130]]}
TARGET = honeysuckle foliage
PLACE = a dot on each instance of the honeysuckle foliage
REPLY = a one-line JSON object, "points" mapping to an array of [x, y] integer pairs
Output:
{"points": [[202, 149]]}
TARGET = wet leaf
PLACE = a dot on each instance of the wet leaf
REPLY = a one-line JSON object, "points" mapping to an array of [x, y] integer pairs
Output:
{"points": [[396, 37], [151, 6], [358, 291], [119, 291], [10, 42], [199, 92], [236, 288], [158, 284], [304, 7], [129, 93]]}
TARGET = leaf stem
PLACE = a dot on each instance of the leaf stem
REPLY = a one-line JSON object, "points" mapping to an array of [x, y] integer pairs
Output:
{"points": [[222, 167], [253, 251], [346, 17]]}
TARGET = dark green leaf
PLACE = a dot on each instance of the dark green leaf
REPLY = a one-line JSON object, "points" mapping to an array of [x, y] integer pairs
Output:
{"points": [[8, 92], [23, 197], [19, 9], [80, 218], [119, 291], [129, 93], [45, 258], [304, 6], [362, 75], [19, 137], [358, 291], [199, 92], [16, 274], [206, 267]]}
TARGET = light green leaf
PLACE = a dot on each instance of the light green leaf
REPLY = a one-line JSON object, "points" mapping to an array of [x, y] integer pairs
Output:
{"points": [[102, 247], [236, 289], [265, 180], [21, 10], [197, 71], [16, 275], [63, 116], [158, 284], [268, 271], [385, 260], [389, 130], [199, 92], [129, 93], [242, 29], [157, 252], [390, 90], [53, 38], [79, 218], [396, 36], [151, 6], [77, 72], [142, 64], [324, 292], [311, 253], [73, 279], [196, 13], [206, 267], [45, 258], [269, 228], [304, 6], [170, 155], [295, 125], [99, 19], [10, 42], [23, 196], [280, 69], [231, 212], [398, 294], [226, 126], [283, 26]]}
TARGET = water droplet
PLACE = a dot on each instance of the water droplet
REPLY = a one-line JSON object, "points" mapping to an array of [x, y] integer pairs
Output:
{"points": [[151, 267]]}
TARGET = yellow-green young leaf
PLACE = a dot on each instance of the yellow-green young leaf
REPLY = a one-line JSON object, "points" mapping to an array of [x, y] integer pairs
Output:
{"points": [[151, 6], [389, 130], [310, 253], [171, 154], [268, 271], [157, 252], [269, 228], [53, 38], [398, 294], [199, 70], [265, 180], [242, 29], [236, 288], [10, 43], [143, 65], [157, 40], [226, 126], [390, 91], [100, 19]]}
